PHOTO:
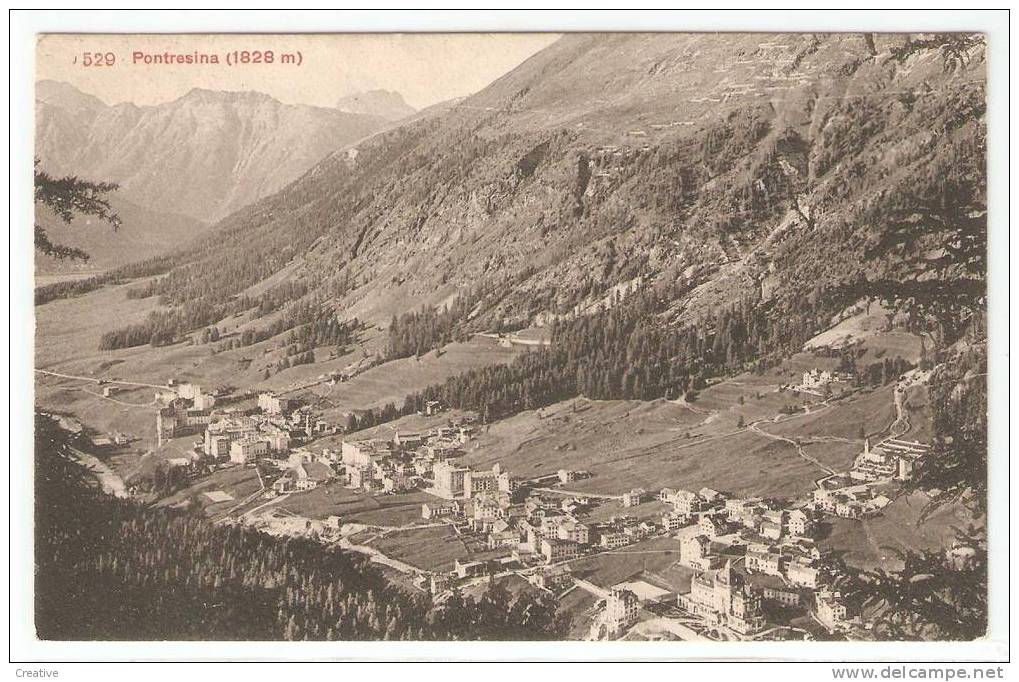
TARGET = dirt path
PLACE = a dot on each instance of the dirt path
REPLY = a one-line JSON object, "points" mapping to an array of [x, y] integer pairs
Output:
{"points": [[145, 406], [252, 512], [683, 443], [577, 493], [108, 479], [378, 557], [96, 380], [796, 444], [247, 500], [901, 425], [683, 402]]}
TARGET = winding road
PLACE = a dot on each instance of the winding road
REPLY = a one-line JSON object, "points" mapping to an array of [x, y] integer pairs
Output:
{"points": [[901, 414], [96, 380], [108, 479], [796, 444]]}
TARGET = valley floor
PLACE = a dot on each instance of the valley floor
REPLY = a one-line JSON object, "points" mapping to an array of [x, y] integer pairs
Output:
{"points": [[753, 435]]}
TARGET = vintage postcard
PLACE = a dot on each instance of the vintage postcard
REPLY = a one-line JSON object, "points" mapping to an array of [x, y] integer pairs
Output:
{"points": [[675, 338]]}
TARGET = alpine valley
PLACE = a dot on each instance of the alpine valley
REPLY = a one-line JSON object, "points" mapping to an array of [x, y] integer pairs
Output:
{"points": [[716, 302]]}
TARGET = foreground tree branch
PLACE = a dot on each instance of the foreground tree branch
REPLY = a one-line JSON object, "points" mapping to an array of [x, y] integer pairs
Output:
{"points": [[67, 197]]}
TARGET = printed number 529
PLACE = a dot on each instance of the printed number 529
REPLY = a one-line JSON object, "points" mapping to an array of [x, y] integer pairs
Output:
{"points": [[98, 59]]}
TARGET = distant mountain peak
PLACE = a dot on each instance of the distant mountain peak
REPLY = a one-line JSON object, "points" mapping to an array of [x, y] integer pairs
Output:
{"points": [[204, 154], [65, 95], [387, 104], [207, 95]]}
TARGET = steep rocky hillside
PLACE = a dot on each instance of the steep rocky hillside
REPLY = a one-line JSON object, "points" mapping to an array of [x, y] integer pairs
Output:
{"points": [[203, 155], [770, 169]]}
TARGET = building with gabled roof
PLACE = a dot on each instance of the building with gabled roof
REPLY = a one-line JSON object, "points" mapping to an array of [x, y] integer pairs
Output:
{"points": [[310, 475], [769, 563], [695, 552], [622, 609]]}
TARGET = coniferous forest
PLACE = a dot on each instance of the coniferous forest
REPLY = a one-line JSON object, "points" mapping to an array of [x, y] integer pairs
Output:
{"points": [[618, 353], [109, 569]]}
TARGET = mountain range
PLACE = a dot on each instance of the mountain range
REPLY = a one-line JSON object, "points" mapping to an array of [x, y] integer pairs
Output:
{"points": [[713, 168], [183, 164]]}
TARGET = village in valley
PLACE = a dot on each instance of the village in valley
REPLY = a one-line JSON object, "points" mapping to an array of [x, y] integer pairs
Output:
{"points": [[723, 566]]}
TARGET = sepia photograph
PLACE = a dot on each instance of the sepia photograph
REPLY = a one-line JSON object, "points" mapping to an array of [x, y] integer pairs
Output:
{"points": [[676, 338]]}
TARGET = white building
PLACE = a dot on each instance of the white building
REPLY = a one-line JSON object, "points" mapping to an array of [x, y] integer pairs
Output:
{"points": [[831, 611], [204, 401], [800, 572], [220, 434], [634, 497], [816, 378], [363, 453], [686, 503], [248, 450], [723, 597], [552, 578], [613, 540], [769, 563], [476, 482], [622, 608], [673, 521], [270, 403], [555, 550], [448, 480], [310, 475], [695, 552], [800, 524], [574, 531], [431, 510]]}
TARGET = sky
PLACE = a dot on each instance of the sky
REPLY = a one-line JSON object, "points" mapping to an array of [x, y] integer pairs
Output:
{"points": [[424, 68]]}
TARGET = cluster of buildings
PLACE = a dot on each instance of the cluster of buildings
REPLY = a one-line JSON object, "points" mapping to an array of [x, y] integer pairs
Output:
{"points": [[266, 435], [749, 552], [244, 439], [773, 543], [718, 514], [844, 499], [539, 528], [892, 459], [755, 557], [454, 481], [278, 426], [818, 378], [183, 410], [860, 492], [751, 556], [417, 460], [303, 470]]}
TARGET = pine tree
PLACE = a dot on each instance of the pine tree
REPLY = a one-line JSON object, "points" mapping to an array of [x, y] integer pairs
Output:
{"points": [[67, 197]]}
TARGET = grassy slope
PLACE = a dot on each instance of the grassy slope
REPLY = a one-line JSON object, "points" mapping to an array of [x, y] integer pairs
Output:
{"points": [[874, 542]]}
